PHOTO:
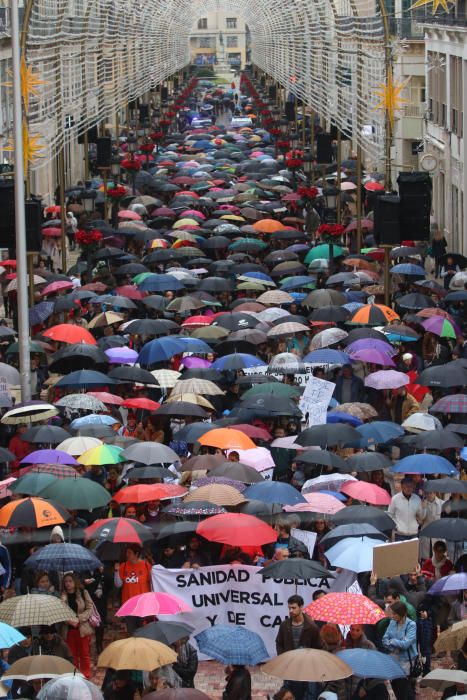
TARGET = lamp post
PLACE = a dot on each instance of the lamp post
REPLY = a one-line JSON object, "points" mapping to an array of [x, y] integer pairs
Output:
{"points": [[330, 195], [88, 197], [308, 168], [115, 169]]}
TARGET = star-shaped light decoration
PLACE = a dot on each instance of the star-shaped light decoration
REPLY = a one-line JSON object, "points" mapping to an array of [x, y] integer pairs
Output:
{"points": [[390, 94], [29, 83], [434, 4], [32, 147]]}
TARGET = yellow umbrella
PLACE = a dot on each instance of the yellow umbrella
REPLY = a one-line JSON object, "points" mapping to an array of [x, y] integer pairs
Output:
{"points": [[185, 222], [307, 665], [220, 494], [191, 398], [136, 654], [105, 319], [232, 217]]}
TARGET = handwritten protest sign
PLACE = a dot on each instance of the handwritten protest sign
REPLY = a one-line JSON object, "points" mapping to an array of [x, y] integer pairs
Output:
{"points": [[315, 400], [300, 378]]}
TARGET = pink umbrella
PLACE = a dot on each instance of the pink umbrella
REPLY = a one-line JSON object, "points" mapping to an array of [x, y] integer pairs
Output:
{"points": [[128, 214], [386, 379], [258, 457], [366, 223], [363, 491], [193, 212], [196, 322], [52, 232], [154, 603], [56, 287], [317, 503], [4, 491], [195, 362]]}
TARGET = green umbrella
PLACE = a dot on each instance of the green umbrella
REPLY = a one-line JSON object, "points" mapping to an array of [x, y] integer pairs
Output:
{"points": [[32, 484], [77, 493], [33, 347], [142, 276], [248, 244], [272, 389], [323, 251]]}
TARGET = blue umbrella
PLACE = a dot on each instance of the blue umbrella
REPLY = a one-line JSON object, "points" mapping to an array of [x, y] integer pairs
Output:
{"points": [[424, 464], [258, 276], [63, 557], [353, 553], [455, 583], [232, 644], [380, 431], [334, 494], [367, 663], [93, 419], [297, 281], [160, 283], [160, 350], [238, 360], [343, 418], [274, 492], [194, 345], [408, 269], [327, 356], [353, 306], [85, 378], [9, 636], [41, 312]]}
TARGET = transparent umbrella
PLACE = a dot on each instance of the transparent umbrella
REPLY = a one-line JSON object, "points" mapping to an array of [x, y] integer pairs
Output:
{"points": [[70, 687]]}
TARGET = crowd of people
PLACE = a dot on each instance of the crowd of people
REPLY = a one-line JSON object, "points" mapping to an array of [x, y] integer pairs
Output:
{"points": [[171, 369]]}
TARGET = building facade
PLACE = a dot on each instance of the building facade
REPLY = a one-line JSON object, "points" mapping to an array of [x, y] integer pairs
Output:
{"points": [[221, 39]]}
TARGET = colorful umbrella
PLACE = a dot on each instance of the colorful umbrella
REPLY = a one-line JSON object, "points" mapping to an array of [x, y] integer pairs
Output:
{"points": [[373, 315], [32, 512], [118, 530], [103, 454], [345, 609], [441, 327]]}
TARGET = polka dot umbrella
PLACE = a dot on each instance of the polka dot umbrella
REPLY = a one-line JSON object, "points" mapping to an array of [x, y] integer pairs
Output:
{"points": [[345, 609]]}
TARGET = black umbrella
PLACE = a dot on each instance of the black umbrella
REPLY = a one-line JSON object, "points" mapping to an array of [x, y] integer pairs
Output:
{"points": [[151, 326], [164, 631], [51, 434], [347, 278], [192, 432], [336, 314], [235, 321], [174, 529], [111, 341], [295, 568], [148, 472], [457, 428], [227, 347], [351, 530], [181, 408], [216, 284], [451, 529], [364, 514], [265, 406], [367, 462], [131, 269], [322, 457], [116, 300], [6, 455], [77, 356], [155, 302], [132, 375], [363, 333], [108, 252], [437, 440], [415, 302], [457, 258], [238, 472], [65, 303], [208, 373], [328, 435], [447, 375], [447, 485], [324, 297]]}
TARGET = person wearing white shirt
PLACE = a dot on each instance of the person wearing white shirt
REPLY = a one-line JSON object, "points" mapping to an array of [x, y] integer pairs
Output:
{"points": [[432, 507], [406, 510]]}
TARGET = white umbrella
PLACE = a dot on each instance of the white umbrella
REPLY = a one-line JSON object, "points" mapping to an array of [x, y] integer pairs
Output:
{"points": [[84, 401], [419, 422], [70, 687], [326, 482], [75, 446], [29, 412]]}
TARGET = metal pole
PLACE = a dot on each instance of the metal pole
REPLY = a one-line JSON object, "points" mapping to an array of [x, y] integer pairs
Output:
{"points": [[61, 184], [359, 198], [31, 276], [339, 175], [86, 155], [20, 213], [387, 290]]}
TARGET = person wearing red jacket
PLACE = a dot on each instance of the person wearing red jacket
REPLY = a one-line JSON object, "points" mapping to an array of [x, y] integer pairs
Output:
{"points": [[439, 565], [19, 447]]}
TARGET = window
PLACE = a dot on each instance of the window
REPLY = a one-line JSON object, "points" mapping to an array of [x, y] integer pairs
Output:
{"points": [[205, 42], [232, 42], [203, 23], [231, 23]]}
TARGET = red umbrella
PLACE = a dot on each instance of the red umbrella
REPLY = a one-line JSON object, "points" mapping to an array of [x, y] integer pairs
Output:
{"points": [[118, 530], [253, 431], [345, 609], [372, 186], [68, 333], [53, 209], [142, 493], [130, 292], [52, 232], [57, 286], [106, 397], [143, 403], [369, 493], [237, 530]]}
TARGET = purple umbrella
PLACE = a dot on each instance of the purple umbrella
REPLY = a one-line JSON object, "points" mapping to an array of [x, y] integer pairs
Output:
{"points": [[375, 357], [371, 344], [195, 362], [49, 457], [455, 583], [442, 327], [298, 248], [121, 356]]}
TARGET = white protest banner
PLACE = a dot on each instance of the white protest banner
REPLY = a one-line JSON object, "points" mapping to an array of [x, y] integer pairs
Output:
{"points": [[315, 400], [308, 538], [239, 595], [300, 378]]}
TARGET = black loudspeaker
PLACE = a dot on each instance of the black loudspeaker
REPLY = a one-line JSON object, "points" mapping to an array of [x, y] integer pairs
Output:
{"points": [[7, 219], [164, 92], [132, 105], [272, 92], [176, 83], [143, 113], [386, 220], [290, 113], [324, 148], [92, 135], [334, 133], [415, 195], [33, 226], [104, 152]]}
